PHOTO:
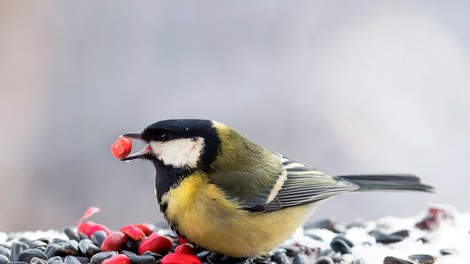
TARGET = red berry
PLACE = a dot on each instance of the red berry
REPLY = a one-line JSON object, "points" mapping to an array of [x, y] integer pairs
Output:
{"points": [[89, 227], [182, 240], [121, 147], [118, 259], [114, 242], [180, 258], [133, 232], [155, 243], [145, 228], [185, 248], [433, 218]]}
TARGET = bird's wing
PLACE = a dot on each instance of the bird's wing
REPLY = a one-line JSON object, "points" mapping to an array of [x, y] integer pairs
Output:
{"points": [[297, 184]]}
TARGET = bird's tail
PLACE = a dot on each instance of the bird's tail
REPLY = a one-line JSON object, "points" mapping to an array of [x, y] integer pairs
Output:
{"points": [[398, 182]]}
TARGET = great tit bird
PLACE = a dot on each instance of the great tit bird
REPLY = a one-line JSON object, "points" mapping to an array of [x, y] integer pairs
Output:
{"points": [[226, 194]]}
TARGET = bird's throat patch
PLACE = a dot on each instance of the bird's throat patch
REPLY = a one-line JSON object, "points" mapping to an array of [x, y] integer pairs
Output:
{"points": [[167, 178]]}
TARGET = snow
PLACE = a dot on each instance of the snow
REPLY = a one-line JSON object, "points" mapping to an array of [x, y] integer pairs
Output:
{"points": [[452, 233]]}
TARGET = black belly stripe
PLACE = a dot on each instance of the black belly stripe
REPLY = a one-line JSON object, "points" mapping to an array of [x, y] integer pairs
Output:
{"points": [[168, 178]]}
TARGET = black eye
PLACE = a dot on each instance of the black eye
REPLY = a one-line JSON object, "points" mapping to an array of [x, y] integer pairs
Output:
{"points": [[164, 136]]}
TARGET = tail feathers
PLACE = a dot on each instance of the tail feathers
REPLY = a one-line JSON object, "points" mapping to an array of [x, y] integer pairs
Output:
{"points": [[399, 182]]}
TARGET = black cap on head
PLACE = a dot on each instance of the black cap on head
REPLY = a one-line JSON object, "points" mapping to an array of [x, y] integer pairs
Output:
{"points": [[187, 128]]}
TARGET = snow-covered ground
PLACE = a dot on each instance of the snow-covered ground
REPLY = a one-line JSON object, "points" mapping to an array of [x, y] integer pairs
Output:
{"points": [[451, 233], [448, 229]]}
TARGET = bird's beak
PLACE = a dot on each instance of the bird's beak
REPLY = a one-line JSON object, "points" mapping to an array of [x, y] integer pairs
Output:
{"points": [[144, 153]]}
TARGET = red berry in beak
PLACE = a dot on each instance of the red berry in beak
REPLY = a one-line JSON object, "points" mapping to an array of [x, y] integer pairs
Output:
{"points": [[121, 147]]}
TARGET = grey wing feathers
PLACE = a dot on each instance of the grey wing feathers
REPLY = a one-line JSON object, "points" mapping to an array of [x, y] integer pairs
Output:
{"points": [[299, 185], [386, 182]]}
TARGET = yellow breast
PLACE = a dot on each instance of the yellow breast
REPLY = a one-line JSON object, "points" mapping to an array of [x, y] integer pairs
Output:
{"points": [[205, 217]]}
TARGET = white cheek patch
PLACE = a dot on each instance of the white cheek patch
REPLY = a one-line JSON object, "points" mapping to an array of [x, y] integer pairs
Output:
{"points": [[179, 152]]}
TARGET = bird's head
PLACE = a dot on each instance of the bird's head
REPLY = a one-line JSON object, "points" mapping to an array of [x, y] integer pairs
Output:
{"points": [[179, 143]]}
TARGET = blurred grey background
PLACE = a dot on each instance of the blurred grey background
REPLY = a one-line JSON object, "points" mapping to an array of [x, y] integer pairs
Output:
{"points": [[346, 86]]}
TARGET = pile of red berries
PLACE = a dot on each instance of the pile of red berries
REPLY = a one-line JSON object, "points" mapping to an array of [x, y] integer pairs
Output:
{"points": [[142, 236]]}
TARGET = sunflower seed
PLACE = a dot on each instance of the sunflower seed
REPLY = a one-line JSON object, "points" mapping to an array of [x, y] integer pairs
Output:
{"points": [[280, 257], [202, 255], [394, 260], [16, 249], [4, 259], [402, 233], [53, 249], [142, 259], [339, 245], [153, 254], [4, 251], [98, 237], [83, 260], [70, 247], [36, 260], [82, 235], [128, 253], [300, 259], [71, 260], [132, 245], [324, 260], [99, 257], [55, 260], [448, 251], [388, 239], [71, 234], [28, 254], [422, 258], [87, 247]]}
